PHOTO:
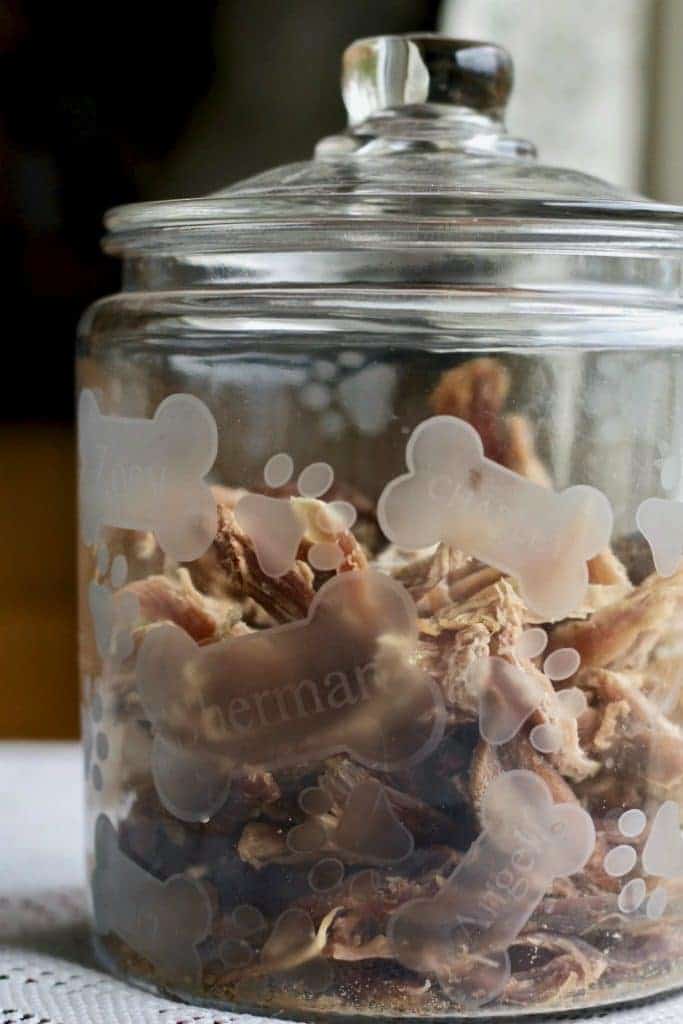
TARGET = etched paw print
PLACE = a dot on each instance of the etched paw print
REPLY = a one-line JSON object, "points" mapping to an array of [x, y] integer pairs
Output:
{"points": [[368, 831], [245, 929], [291, 951], [364, 885], [558, 666], [277, 527], [95, 738], [294, 949], [114, 615], [349, 391], [508, 695], [661, 858], [316, 836]]}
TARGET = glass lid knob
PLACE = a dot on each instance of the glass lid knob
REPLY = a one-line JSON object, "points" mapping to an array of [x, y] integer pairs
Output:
{"points": [[386, 72]]}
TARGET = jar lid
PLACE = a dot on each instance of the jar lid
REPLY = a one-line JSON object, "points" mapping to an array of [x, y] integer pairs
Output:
{"points": [[425, 169]]}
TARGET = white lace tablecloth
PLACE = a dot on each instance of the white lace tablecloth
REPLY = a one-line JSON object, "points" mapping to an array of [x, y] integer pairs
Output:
{"points": [[47, 974]]}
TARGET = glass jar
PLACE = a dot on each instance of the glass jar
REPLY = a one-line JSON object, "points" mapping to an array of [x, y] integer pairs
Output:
{"points": [[381, 572]]}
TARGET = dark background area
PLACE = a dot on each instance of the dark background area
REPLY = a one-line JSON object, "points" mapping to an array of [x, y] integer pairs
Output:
{"points": [[106, 103]]}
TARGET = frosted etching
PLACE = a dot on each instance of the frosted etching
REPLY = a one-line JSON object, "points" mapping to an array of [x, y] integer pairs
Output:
{"points": [[453, 493], [662, 858], [142, 474], [162, 921], [277, 526], [367, 831], [660, 520], [509, 694], [527, 842], [114, 614], [344, 679], [663, 851]]}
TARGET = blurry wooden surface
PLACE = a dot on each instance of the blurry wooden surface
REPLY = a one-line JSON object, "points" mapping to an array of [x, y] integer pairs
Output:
{"points": [[37, 582]]}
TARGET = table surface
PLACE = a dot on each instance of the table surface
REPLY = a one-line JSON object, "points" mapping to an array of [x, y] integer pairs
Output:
{"points": [[47, 974]]}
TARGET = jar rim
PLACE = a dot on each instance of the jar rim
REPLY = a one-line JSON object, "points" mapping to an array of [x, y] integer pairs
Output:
{"points": [[426, 166]]}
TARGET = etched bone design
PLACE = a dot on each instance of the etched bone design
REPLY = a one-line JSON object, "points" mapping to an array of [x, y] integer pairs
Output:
{"points": [[162, 921], [660, 520], [142, 474], [527, 841], [453, 493], [344, 679]]}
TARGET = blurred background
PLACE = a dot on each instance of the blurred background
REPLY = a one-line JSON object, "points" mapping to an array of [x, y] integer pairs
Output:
{"points": [[106, 103]]}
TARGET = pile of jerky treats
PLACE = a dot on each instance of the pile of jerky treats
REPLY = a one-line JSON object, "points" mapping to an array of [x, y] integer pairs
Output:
{"points": [[625, 751]]}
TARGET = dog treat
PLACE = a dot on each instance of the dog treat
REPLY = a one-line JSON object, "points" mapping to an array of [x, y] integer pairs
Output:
{"points": [[420, 759]]}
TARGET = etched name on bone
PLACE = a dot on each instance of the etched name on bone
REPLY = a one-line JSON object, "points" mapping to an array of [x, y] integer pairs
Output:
{"points": [[453, 493], [142, 474], [344, 679], [162, 921], [526, 843]]}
